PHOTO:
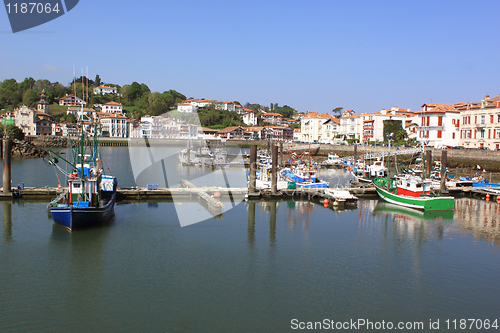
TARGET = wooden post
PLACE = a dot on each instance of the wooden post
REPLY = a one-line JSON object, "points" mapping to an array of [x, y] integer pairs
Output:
{"points": [[444, 164], [355, 153], [428, 162], [253, 169], [7, 220], [274, 169], [7, 145], [251, 222], [272, 221]]}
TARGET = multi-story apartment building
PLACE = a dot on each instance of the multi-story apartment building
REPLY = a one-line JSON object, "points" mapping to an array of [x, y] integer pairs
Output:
{"points": [[438, 125], [480, 123], [319, 127], [273, 118], [113, 125], [351, 127], [373, 123]]}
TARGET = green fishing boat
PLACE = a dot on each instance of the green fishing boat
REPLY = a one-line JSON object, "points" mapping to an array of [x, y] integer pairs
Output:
{"points": [[410, 191]]}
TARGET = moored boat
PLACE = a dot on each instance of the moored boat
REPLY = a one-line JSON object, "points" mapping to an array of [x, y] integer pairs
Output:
{"points": [[90, 197], [303, 177], [411, 191]]}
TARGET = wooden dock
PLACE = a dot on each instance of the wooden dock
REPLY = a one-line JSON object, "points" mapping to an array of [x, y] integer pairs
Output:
{"points": [[190, 192]]}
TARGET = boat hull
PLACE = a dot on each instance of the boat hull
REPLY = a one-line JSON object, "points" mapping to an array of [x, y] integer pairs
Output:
{"points": [[72, 217], [421, 203]]}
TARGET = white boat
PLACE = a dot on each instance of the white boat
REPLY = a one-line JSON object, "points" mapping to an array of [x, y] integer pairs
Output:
{"points": [[263, 179], [341, 195], [333, 160]]}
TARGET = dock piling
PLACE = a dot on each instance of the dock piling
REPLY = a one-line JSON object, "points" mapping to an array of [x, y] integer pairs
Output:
{"points": [[7, 145], [444, 164], [274, 169], [253, 169]]}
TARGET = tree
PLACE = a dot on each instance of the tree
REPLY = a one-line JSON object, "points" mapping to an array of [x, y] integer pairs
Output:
{"points": [[14, 132], [30, 97], [337, 111], [97, 80], [392, 128]]}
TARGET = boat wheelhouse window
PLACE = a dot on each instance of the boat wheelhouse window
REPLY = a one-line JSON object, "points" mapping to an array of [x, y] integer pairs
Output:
{"points": [[76, 185], [419, 185]]}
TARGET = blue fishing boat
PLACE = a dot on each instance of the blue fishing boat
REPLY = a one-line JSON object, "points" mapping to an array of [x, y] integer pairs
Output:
{"points": [[90, 197], [303, 177]]}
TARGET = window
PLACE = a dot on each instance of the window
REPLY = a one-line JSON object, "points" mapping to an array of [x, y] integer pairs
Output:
{"points": [[453, 135], [440, 121], [439, 134]]}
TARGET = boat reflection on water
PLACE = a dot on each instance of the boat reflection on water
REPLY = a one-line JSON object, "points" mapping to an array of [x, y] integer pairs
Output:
{"points": [[400, 212]]}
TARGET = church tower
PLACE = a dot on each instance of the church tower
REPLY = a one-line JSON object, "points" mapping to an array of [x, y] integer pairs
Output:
{"points": [[43, 105]]}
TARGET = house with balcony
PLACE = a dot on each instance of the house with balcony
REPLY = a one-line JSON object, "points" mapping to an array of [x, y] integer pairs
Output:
{"points": [[105, 90], [152, 127], [273, 118], [319, 127], [71, 100], [187, 108], [225, 105], [78, 111], [438, 125], [351, 127], [112, 107], [480, 123], [232, 132], [113, 125], [276, 133]]}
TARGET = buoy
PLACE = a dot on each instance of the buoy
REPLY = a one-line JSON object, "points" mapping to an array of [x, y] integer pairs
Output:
{"points": [[217, 194], [326, 202], [488, 197], [498, 199], [326, 205], [59, 186]]}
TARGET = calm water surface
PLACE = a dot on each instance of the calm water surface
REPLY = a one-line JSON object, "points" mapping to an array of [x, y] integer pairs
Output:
{"points": [[254, 269]]}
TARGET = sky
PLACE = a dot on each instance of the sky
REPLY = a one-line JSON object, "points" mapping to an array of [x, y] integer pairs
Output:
{"points": [[310, 55]]}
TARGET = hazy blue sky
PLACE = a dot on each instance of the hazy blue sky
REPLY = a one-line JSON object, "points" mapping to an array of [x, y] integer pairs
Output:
{"points": [[310, 55]]}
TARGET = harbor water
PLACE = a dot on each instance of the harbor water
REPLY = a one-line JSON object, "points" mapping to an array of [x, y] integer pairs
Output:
{"points": [[262, 266]]}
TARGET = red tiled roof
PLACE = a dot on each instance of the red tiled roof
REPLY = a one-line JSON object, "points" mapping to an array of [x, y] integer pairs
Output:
{"points": [[113, 103], [438, 108], [271, 114]]}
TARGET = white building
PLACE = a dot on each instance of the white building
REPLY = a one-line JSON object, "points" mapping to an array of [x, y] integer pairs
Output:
{"points": [[480, 123], [351, 127], [104, 90], [373, 123], [77, 111], [319, 127], [249, 118], [152, 127], [112, 107], [224, 105], [71, 100], [113, 125], [25, 119], [438, 125], [187, 108]]}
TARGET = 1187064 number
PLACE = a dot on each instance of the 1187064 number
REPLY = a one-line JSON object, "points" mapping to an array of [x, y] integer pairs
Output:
{"points": [[31, 8], [471, 324]]}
